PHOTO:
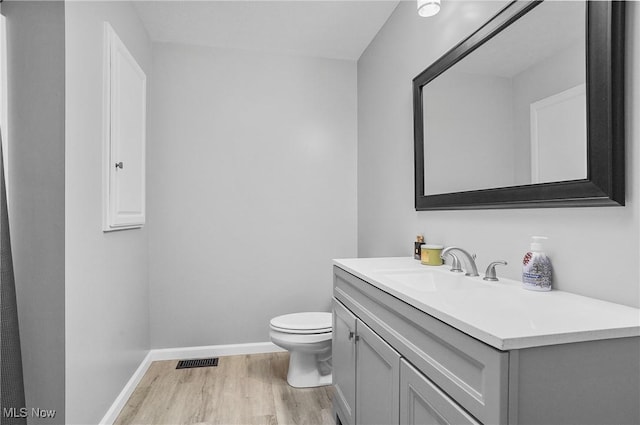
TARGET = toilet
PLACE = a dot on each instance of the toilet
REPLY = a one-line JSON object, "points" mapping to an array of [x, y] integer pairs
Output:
{"points": [[307, 337]]}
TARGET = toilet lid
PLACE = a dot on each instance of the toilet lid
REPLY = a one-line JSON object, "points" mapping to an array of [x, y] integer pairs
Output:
{"points": [[314, 322]]}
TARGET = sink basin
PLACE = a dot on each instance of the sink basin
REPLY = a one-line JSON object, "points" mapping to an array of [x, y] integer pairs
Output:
{"points": [[434, 280]]}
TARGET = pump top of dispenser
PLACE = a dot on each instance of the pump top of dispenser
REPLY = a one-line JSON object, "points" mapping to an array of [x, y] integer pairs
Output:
{"points": [[536, 243]]}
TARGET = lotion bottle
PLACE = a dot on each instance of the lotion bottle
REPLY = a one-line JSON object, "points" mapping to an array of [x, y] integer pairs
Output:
{"points": [[536, 267]]}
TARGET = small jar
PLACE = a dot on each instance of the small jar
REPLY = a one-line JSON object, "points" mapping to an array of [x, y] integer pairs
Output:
{"points": [[417, 246], [430, 255]]}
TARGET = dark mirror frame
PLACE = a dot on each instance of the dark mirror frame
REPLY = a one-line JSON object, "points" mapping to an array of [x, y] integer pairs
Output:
{"points": [[605, 182]]}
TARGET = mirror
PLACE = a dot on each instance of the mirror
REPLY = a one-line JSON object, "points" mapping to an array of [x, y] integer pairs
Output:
{"points": [[526, 112]]}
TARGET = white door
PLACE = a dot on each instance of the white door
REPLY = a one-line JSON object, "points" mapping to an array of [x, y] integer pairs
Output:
{"points": [[125, 101], [559, 137]]}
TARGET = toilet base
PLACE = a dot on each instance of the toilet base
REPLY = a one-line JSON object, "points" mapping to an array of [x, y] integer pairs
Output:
{"points": [[306, 370]]}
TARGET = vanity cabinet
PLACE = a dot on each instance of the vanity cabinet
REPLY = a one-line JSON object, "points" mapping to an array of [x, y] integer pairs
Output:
{"points": [[394, 363], [367, 374]]}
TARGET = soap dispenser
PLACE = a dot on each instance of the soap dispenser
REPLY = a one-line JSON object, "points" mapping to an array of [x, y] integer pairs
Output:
{"points": [[536, 267]]}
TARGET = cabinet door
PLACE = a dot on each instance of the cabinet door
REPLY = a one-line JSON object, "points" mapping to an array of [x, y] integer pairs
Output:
{"points": [[124, 139], [377, 379], [423, 403], [344, 363]]}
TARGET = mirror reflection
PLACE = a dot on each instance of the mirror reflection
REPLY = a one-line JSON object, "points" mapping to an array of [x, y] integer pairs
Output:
{"points": [[513, 112]]}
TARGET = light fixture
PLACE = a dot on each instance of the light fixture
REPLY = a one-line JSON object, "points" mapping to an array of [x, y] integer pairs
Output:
{"points": [[428, 8]]}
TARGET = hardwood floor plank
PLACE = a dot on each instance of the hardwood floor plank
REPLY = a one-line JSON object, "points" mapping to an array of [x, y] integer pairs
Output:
{"points": [[248, 389]]}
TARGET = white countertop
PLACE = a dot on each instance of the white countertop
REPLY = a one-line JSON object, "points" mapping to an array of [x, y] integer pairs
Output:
{"points": [[501, 314]]}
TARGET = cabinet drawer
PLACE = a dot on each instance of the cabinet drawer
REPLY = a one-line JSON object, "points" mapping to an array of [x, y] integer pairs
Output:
{"points": [[469, 371], [422, 402]]}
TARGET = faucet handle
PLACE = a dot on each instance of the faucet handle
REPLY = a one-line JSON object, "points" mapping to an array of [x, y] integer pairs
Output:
{"points": [[455, 263], [490, 274]]}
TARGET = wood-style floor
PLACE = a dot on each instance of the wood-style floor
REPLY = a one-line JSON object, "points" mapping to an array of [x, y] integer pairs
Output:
{"points": [[250, 389]]}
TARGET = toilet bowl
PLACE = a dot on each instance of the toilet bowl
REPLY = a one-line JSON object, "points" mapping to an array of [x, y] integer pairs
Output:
{"points": [[307, 337]]}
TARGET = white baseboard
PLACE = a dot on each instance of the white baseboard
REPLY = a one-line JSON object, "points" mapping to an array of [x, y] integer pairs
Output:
{"points": [[213, 351], [117, 406], [179, 354]]}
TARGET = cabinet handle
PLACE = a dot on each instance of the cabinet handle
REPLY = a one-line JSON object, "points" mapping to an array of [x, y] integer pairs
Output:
{"points": [[120, 165], [351, 335]]}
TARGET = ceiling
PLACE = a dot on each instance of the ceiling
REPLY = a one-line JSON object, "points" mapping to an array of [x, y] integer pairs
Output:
{"points": [[329, 29], [549, 29]]}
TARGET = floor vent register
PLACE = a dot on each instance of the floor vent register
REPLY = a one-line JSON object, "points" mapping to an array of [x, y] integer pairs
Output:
{"points": [[188, 364]]}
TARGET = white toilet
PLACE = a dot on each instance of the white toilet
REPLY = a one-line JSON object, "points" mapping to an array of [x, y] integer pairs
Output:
{"points": [[307, 337]]}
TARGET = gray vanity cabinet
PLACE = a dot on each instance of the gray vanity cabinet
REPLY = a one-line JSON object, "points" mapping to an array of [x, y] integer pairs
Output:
{"points": [[366, 372], [470, 372], [374, 385], [394, 363]]}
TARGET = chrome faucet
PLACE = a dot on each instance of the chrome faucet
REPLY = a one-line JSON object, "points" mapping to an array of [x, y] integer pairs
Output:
{"points": [[472, 269]]}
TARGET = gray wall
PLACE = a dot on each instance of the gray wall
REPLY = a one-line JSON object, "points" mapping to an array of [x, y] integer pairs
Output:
{"points": [[107, 295], [594, 250], [36, 92], [252, 190], [468, 119]]}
